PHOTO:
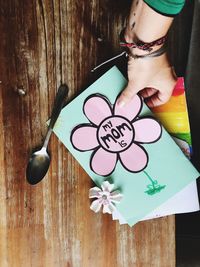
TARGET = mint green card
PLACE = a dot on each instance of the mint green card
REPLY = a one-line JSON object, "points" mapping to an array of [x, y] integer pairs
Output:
{"points": [[124, 145]]}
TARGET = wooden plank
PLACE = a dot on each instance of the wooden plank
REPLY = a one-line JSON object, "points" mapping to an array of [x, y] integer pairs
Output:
{"points": [[44, 43]]}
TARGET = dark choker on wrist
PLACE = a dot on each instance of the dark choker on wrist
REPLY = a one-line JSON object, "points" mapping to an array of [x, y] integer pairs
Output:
{"points": [[155, 53]]}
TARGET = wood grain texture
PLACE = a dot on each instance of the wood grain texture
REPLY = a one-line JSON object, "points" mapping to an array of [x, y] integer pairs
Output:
{"points": [[44, 43]]}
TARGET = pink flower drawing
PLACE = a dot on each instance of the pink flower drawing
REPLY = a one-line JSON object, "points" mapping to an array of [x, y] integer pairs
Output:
{"points": [[115, 134]]}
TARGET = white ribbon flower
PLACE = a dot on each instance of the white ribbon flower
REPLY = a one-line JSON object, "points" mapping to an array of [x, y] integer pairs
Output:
{"points": [[105, 197]]}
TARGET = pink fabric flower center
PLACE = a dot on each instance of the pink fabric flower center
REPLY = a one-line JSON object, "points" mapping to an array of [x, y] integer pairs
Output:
{"points": [[104, 197], [115, 134]]}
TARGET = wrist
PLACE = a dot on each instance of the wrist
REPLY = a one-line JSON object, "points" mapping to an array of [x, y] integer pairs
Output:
{"points": [[151, 25], [146, 24]]}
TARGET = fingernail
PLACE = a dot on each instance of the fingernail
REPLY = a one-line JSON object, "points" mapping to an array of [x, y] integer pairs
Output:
{"points": [[121, 103]]}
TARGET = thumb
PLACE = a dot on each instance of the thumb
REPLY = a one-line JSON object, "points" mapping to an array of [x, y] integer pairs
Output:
{"points": [[127, 94]]}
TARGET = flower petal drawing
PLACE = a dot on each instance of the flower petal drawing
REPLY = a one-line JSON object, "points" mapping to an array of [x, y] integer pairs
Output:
{"points": [[130, 110], [84, 137], [103, 162], [115, 133], [134, 159], [97, 108], [147, 130]]}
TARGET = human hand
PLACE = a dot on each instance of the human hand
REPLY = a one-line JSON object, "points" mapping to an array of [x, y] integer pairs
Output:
{"points": [[152, 77]]}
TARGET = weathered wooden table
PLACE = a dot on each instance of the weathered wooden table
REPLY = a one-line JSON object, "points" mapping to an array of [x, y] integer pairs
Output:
{"points": [[44, 43]]}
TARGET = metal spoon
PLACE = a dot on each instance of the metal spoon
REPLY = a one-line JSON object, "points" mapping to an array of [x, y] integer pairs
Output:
{"points": [[39, 162]]}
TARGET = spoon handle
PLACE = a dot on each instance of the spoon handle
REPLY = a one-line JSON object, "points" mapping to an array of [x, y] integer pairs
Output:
{"points": [[58, 104]]}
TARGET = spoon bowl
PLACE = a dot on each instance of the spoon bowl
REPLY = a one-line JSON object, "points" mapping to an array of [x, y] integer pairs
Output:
{"points": [[38, 166]]}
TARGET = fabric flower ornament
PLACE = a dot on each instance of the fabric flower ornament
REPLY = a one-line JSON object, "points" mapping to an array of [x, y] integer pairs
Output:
{"points": [[115, 133], [105, 197]]}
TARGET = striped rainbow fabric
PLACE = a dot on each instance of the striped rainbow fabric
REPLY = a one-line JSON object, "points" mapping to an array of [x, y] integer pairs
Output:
{"points": [[174, 117]]}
